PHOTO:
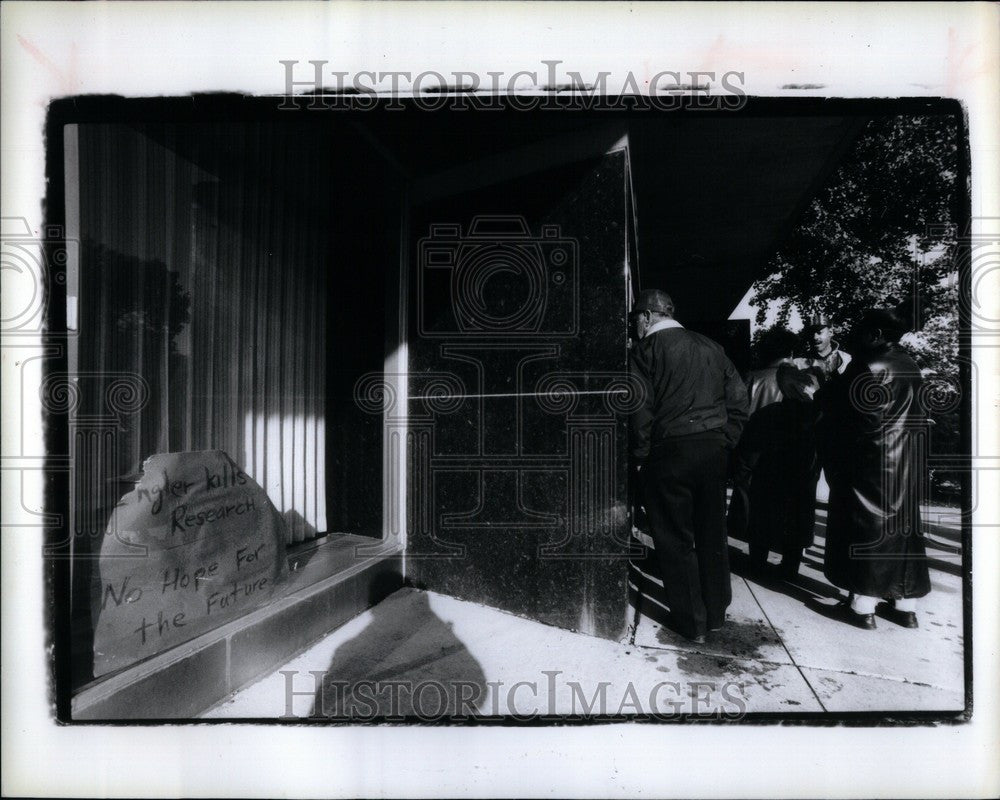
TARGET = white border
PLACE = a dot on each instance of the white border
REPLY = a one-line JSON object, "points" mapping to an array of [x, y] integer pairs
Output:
{"points": [[142, 49]]}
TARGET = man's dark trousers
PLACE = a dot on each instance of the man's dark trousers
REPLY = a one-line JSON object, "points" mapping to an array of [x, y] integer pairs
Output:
{"points": [[684, 483]]}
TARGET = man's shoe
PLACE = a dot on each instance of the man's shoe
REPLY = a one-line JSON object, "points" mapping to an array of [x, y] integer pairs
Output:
{"points": [[764, 574], [789, 571], [697, 638], [852, 617], [758, 566], [681, 629], [905, 619], [863, 621]]}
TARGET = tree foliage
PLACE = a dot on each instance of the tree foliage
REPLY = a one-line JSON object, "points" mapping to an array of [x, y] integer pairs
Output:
{"points": [[883, 230]]}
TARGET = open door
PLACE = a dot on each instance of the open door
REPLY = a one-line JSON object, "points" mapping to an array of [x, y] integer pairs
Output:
{"points": [[519, 273]]}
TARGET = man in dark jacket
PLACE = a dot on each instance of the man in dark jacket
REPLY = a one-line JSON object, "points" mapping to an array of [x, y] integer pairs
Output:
{"points": [[874, 543], [694, 407]]}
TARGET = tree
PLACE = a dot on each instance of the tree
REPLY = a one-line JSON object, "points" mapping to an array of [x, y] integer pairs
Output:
{"points": [[883, 230]]}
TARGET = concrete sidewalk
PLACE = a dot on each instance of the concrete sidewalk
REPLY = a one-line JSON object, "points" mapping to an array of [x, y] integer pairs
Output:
{"points": [[782, 650]]}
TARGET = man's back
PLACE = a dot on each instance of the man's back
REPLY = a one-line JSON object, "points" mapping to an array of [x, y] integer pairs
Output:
{"points": [[694, 405], [691, 387]]}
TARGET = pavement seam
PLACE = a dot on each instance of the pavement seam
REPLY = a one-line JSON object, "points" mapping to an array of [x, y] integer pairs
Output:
{"points": [[783, 645], [874, 676]]}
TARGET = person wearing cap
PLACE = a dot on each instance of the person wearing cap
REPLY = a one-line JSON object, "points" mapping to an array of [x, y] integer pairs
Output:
{"points": [[825, 361], [805, 383], [694, 406], [874, 543], [825, 354]]}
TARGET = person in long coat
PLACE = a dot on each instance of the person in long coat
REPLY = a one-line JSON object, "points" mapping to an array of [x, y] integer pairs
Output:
{"points": [[874, 543]]}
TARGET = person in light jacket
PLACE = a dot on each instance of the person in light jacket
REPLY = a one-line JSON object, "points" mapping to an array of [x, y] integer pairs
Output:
{"points": [[775, 469]]}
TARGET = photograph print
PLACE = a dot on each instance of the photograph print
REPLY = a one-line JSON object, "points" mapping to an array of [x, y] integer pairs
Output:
{"points": [[465, 408]]}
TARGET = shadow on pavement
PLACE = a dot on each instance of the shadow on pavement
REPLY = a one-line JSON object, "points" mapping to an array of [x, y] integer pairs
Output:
{"points": [[407, 662], [801, 587]]}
